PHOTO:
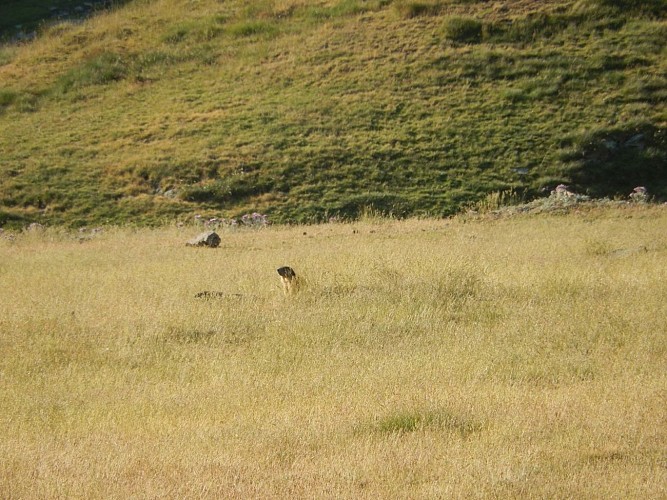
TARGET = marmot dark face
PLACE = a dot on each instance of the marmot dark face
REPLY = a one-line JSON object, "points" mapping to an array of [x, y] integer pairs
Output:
{"points": [[288, 278], [286, 272]]}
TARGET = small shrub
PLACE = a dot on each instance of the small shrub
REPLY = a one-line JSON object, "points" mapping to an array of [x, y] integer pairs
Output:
{"points": [[7, 97], [463, 29], [498, 199]]}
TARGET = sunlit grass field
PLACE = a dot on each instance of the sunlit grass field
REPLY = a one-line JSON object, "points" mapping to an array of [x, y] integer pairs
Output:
{"points": [[467, 357]]}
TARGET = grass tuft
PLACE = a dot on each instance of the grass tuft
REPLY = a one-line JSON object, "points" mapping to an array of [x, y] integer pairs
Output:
{"points": [[105, 68], [424, 421], [7, 97], [463, 29]]}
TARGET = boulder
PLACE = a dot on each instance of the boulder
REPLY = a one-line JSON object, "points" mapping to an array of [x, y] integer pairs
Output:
{"points": [[207, 239], [639, 194]]}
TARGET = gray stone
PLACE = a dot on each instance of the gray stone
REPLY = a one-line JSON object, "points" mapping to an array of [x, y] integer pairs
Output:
{"points": [[207, 239]]}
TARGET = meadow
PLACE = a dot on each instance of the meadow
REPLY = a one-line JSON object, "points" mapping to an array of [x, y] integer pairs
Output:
{"points": [[307, 110], [437, 358]]}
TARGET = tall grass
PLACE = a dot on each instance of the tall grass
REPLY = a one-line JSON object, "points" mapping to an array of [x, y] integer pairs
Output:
{"points": [[521, 357]]}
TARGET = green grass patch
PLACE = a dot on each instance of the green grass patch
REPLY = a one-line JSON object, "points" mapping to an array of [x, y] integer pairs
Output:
{"points": [[463, 29], [7, 97], [20, 101], [100, 70], [431, 420], [199, 30]]}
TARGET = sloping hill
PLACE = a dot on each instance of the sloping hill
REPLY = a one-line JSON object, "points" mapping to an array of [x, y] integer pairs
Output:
{"points": [[306, 110]]}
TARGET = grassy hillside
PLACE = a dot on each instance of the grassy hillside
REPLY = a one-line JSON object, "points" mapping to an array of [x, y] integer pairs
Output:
{"points": [[518, 358], [306, 110]]}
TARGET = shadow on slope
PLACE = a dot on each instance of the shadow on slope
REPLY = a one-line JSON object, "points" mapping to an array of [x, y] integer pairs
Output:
{"points": [[20, 19], [611, 161]]}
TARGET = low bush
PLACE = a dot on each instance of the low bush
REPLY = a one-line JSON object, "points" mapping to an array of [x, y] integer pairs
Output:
{"points": [[463, 29], [7, 97]]}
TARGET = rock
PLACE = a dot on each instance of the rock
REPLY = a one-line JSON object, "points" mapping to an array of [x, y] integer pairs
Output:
{"points": [[562, 191], [639, 194], [207, 239]]}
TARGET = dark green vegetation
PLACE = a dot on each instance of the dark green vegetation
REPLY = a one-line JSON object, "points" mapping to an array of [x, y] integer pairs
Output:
{"points": [[307, 110], [26, 16], [415, 421]]}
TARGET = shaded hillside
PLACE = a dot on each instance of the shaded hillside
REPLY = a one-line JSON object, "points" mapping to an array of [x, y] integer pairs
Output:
{"points": [[21, 20], [306, 110]]}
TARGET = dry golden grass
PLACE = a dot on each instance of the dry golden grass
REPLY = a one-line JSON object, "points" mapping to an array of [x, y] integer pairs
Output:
{"points": [[421, 359]]}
